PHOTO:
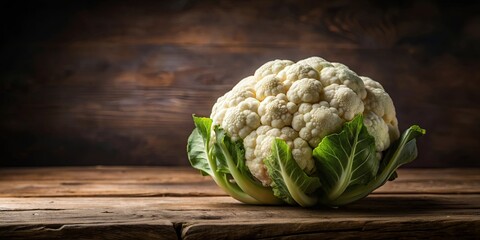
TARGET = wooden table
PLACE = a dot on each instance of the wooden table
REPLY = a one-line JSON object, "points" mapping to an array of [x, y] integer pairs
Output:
{"points": [[171, 203]]}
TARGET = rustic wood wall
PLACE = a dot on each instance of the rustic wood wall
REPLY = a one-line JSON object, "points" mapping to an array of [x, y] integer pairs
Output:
{"points": [[115, 82]]}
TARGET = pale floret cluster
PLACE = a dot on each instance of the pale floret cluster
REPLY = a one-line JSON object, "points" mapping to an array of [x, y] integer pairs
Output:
{"points": [[301, 103]]}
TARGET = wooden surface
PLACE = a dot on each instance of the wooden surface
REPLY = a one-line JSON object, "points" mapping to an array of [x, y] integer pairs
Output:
{"points": [[116, 82], [178, 203]]}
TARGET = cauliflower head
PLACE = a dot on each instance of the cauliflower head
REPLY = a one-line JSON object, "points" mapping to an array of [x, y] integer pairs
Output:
{"points": [[301, 103]]}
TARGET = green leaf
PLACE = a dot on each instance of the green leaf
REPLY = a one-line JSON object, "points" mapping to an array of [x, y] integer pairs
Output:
{"points": [[198, 145], [204, 126], [401, 152], [220, 136], [237, 152], [231, 159], [197, 154], [289, 181], [346, 159], [202, 156]]}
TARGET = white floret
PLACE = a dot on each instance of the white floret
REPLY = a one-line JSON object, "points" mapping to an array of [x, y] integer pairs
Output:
{"points": [[306, 90], [231, 99], [379, 102], [369, 83], [254, 162], [295, 72], [218, 111], [302, 153], [238, 95], [378, 129], [316, 63], [239, 121], [258, 146], [342, 75], [313, 122], [272, 67], [276, 111], [345, 100], [268, 86]]}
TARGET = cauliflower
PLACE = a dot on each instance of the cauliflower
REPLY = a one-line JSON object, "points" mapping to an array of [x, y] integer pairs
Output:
{"points": [[277, 111], [313, 122], [313, 97], [302, 133]]}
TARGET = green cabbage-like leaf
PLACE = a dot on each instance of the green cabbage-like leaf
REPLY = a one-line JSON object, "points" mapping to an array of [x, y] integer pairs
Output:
{"points": [[231, 158], [346, 159], [198, 145], [197, 154], [403, 151], [289, 181], [206, 160], [204, 127]]}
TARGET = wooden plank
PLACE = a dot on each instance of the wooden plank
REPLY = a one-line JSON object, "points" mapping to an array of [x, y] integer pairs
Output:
{"points": [[223, 217], [151, 230], [105, 181], [180, 209], [185, 181], [413, 228], [441, 180], [427, 204]]}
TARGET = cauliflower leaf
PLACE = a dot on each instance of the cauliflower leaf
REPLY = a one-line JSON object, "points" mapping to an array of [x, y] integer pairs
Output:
{"points": [[197, 154], [206, 161], [345, 159], [403, 151], [197, 145], [289, 181], [343, 183], [231, 156]]}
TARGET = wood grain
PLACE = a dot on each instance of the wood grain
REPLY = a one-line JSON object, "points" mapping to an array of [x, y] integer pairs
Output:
{"points": [[224, 217], [105, 181], [181, 181], [115, 83], [101, 203], [129, 230], [226, 209], [411, 228]]}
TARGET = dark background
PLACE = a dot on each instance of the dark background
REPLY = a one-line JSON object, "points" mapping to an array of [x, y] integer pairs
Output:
{"points": [[116, 82]]}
